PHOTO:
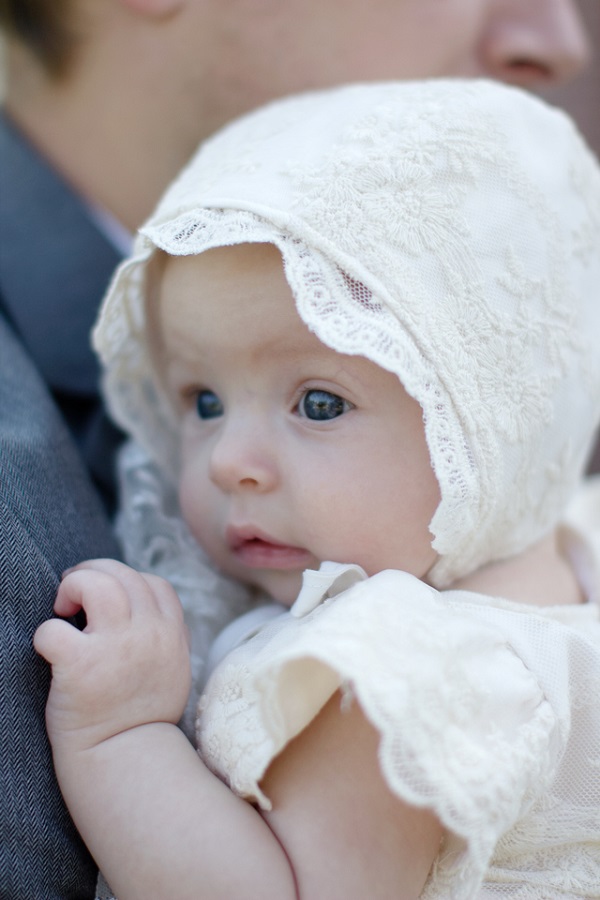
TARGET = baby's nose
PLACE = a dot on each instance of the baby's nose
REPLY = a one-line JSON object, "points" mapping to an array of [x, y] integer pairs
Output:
{"points": [[242, 459]]}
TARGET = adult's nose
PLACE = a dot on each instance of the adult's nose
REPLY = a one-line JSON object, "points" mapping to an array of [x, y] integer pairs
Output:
{"points": [[242, 457], [534, 42]]}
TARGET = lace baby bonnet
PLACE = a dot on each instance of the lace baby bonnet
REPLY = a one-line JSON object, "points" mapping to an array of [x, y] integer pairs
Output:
{"points": [[447, 230]]}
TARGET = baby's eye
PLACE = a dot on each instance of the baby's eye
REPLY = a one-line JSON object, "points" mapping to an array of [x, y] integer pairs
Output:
{"points": [[321, 405], [208, 405]]}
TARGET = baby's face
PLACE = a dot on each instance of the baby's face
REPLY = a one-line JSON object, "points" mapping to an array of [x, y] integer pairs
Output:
{"points": [[291, 453]]}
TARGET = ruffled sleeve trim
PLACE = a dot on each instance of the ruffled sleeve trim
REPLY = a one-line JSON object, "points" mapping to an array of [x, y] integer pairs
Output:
{"points": [[465, 727]]}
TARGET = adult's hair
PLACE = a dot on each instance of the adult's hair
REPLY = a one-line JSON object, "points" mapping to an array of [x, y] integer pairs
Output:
{"points": [[43, 26]]}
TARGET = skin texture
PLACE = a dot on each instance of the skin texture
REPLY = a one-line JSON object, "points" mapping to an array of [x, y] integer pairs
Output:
{"points": [[201, 62]]}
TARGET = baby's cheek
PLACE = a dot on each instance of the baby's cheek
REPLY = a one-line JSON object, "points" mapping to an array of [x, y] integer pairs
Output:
{"points": [[194, 504]]}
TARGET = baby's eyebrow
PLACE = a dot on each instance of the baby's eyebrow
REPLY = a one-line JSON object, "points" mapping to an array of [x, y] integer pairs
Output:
{"points": [[173, 374]]}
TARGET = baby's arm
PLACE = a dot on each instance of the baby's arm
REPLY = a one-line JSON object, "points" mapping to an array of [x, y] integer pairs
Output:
{"points": [[345, 833], [157, 821]]}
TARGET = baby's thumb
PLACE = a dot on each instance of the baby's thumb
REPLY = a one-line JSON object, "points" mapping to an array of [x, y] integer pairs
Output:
{"points": [[57, 641]]}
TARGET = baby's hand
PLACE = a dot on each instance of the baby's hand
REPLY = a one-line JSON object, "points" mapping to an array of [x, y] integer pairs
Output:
{"points": [[128, 667]]}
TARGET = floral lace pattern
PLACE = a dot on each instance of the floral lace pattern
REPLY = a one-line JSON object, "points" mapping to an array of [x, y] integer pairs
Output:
{"points": [[419, 229], [477, 716]]}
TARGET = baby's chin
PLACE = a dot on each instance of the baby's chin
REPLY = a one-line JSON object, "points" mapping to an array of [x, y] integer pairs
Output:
{"points": [[279, 587]]}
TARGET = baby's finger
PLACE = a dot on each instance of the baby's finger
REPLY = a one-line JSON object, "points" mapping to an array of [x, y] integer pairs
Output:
{"points": [[146, 592], [136, 586], [113, 567], [103, 598], [57, 641]]}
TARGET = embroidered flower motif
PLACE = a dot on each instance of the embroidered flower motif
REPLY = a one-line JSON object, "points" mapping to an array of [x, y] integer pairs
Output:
{"points": [[398, 198], [415, 215]]}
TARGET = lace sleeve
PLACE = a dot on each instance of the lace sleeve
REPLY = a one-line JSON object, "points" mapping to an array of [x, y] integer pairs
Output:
{"points": [[465, 727]]}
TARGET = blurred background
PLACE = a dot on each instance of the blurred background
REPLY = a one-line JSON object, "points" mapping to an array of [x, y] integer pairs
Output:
{"points": [[581, 97]]}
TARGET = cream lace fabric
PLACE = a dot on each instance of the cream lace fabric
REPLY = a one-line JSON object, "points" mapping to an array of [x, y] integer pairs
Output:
{"points": [[487, 710], [446, 230]]}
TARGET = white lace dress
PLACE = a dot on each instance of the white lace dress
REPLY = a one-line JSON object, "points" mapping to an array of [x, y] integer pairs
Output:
{"points": [[488, 713]]}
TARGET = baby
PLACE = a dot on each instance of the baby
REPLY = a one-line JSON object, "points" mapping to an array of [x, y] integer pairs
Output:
{"points": [[360, 336]]}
